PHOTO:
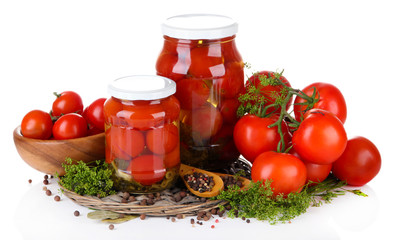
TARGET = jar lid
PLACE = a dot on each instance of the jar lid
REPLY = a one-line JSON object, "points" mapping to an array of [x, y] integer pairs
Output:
{"points": [[142, 87], [199, 26]]}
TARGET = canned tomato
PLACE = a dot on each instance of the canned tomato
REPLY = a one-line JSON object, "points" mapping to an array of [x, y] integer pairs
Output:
{"points": [[142, 133], [199, 53]]}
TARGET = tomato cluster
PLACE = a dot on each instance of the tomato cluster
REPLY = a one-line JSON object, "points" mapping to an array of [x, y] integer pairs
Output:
{"points": [[142, 138], [66, 120], [210, 75], [311, 142]]}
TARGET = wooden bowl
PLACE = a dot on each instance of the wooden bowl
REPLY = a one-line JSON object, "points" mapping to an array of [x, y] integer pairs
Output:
{"points": [[47, 156]]}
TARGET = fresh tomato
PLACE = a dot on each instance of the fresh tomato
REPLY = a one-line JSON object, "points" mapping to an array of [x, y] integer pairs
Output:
{"points": [[147, 169], [287, 172], [67, 102], [207, 61], [94, 114], [192, 93], [359, 163], [37, 124], [330, 99], [204, 122], [268, 91], [252, 135], [320, 138], [71, 125], [125, 143], [163, 139]]}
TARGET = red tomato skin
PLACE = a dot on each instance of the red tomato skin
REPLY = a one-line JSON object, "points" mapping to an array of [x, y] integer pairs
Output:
{"points": [[147, 169], [320, 138], [253, 137], [287, 172], [124, 143], [37, 124], [267, 91], [163, 139], [67, 102], [94, 114], [331, 99], [71, 125], [359, 163]]}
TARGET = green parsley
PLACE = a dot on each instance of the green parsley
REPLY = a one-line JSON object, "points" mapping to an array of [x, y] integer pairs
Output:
{"points": [[87, 179]]}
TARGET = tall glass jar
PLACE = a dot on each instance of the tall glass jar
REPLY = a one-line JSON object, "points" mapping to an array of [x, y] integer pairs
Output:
{"points": [[199, 53], [142, 133]]}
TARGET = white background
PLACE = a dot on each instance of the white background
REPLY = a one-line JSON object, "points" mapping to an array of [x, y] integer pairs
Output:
{"points": [[48, 46]]}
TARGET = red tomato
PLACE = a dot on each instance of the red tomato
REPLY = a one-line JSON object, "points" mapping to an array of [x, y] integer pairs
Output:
{"points": [[192, 93], [125, 143], [320, 138], [207, 61], [315, 172], [67, 102], [262, 82], [172, 158], [37, 124], [205, 121], [228, 109], [359, 163], [330, 99], [171, 66], [147, 169], [94, 114], [232, 83], [287, 172], [71, 125], [163, 139], [172, 109], [253, 137]]}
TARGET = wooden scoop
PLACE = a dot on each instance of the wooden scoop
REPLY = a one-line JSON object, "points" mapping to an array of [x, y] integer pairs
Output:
{"points": [[218, 183], [246, 182]]}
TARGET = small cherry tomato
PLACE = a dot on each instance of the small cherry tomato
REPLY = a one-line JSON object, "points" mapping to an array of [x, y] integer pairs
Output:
{"points": [[94, 114], [147, 169], [232, 83], [207, 61], [172, 158], [171, 66], [267, 90], [330, 99], [71, 125], [359, 163], [163, 140], [37, 124], [192, 93], [252, 135], [320, 138], [228, 109], [205, 121], [125, 143], [287, 172], [67, 102]]}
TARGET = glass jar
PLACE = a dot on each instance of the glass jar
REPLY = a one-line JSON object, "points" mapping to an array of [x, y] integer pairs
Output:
{"points": [[199, 53], [142, 133]]}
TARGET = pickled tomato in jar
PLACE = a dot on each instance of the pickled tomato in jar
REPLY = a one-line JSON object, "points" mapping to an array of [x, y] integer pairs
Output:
{"points": [[142, 133], [199, 53]]}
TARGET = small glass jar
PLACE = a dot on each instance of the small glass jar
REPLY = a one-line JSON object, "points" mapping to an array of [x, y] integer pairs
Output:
{"points": [[142, 133], [199, 53]]}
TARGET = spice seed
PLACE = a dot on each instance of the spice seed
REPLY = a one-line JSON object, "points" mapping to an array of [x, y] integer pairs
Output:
{"points": [[111, 226], [57, 198], [173, 219], [143, 216], [212, 226], [45, 182], [248, 221], [48, 192], [76, 213], [30, 181]]}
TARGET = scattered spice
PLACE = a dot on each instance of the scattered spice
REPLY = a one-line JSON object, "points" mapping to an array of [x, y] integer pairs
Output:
{"points": [[111, 226], [45, 182], [30, 181], [199, 182], [57, 198], [143, 216], [76, 213], [48, 192], [212, 226], [173, 219]]}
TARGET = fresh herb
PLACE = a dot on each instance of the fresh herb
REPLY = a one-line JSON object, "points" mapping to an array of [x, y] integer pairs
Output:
{"points": [[87, 179], [257, 200]]}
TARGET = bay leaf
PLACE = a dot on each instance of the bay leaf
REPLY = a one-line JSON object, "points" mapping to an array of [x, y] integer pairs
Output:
{"points": [[102, 214], [125, 218]]}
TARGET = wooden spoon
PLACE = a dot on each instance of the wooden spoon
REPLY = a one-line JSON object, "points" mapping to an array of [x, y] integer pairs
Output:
{"points": [[246, 182], [218, 183]]}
